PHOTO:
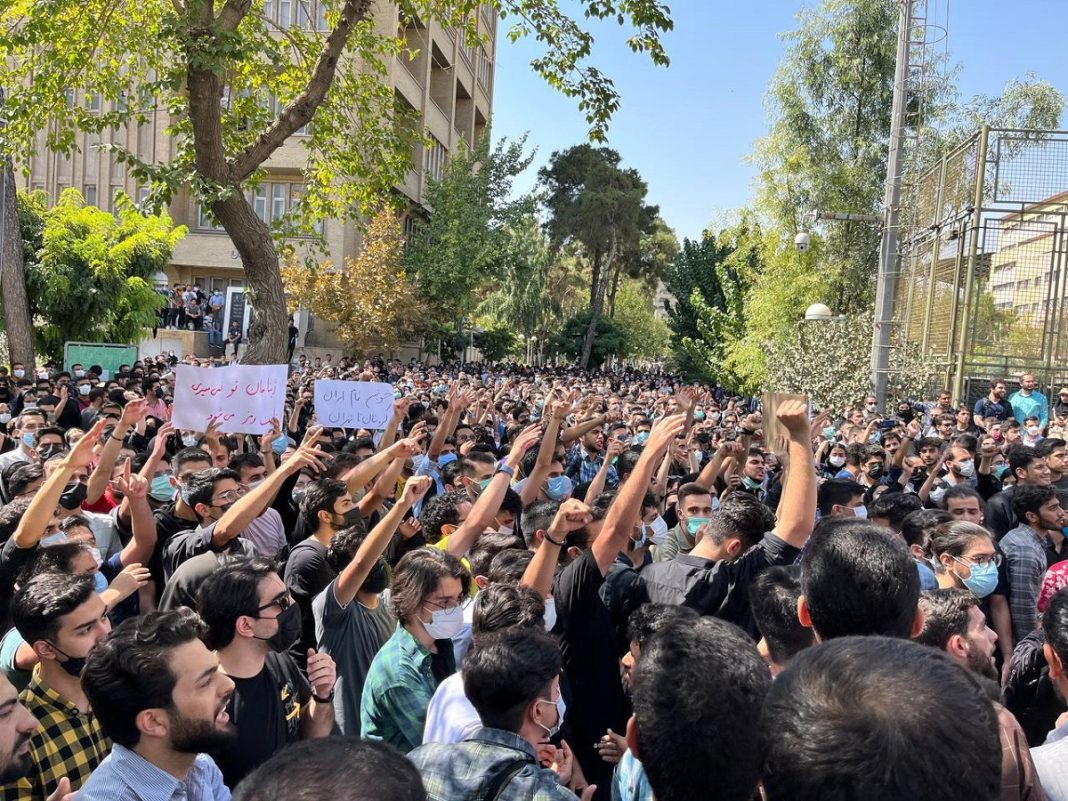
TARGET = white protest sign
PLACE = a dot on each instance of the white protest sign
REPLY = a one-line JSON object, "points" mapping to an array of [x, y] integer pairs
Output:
{"points": [[243, 398], [353, 404]]}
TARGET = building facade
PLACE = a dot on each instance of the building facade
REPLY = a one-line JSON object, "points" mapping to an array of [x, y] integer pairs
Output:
{"points": [[448, 84]]}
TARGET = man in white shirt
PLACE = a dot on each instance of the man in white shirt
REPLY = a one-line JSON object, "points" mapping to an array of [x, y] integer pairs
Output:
{"points": [[27, 425]]}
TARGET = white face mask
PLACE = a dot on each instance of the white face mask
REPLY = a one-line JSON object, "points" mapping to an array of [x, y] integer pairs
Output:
{"points": [[550, 613], [79, 373], [189, 440], [861, 512], [836, 461], [966, 468], [83, 389], [53, 539], [445, 623]]}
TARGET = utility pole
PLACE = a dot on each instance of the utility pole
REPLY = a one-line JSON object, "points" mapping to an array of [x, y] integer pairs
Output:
{"points": [[887, 279]]}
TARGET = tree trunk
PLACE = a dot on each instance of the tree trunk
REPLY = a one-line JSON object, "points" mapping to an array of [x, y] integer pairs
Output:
{"points": [[12, 277], [597, 304], [595, 274], [612, 293]]}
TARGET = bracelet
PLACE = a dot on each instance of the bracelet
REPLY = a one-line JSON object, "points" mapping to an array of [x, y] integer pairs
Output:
{"points": [[557, 543], [328, 700], [503, 468]]}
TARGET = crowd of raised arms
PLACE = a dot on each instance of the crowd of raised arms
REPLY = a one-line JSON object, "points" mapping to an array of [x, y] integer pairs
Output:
{"points": [[533, 584]]}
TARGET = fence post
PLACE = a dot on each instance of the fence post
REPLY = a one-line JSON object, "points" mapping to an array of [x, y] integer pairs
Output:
{"points": [[966, 324]]}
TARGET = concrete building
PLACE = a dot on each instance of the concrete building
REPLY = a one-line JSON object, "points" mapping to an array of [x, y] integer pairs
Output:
{"points": [[449, 84]]}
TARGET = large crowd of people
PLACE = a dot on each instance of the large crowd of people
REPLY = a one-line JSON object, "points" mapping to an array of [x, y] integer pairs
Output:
{"points": [[534, 583]]}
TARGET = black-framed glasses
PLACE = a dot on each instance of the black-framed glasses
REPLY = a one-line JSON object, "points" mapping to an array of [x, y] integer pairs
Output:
{"points": [[981, 560], [283, 602]]}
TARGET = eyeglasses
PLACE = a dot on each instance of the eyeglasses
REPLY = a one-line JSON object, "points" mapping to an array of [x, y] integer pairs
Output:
{"points": [[231, 495], [283, 602], [451, 603], [981, 560]]}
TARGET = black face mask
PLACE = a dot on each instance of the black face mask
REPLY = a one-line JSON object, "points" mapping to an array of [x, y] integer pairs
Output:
{"points": [[289, 626], [351, 518], [73, 498], [74, 664], [377, 580], [48, 451]]}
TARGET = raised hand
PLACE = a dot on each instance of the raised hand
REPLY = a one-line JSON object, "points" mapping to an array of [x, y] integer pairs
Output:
{"points": [[134, 412], [571, 516], [409, 527], [414, 489], [273, 433], [793, 416], [82, 454], [664, 432], [526, 440], [132, 486], [131, 579], [322, 673]]}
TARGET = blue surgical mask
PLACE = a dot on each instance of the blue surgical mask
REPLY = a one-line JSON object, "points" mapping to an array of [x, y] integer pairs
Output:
{"points": [[99, 582], [161, 489], [1001, 469], [698, 416], [641, 437], [693, 524], [558, 488], [983, 578], [279, 445], [445, 458]]}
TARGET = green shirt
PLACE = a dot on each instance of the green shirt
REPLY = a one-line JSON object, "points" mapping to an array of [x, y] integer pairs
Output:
{"points": [[399, 686]]}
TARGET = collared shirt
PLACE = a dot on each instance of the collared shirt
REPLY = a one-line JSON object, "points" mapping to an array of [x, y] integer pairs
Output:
{"points": [[582, 467], [397, 693], [68, 743], [1025, 556], [128, 776], [1051, 763], [463, 770], [630, 782]]}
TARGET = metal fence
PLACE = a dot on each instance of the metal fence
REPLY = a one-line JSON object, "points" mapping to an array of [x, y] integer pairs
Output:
{"points": [[981, 281]]}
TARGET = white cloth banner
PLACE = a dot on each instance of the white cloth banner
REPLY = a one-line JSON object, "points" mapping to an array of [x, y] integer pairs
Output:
{"points": [[242, 397], [353, 404]]}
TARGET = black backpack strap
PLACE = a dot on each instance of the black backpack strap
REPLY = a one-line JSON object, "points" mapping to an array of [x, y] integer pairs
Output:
{"points": [[495, 786]]}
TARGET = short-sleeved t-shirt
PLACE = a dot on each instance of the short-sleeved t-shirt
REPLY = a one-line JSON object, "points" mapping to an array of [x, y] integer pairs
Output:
{"points": [[307, 574], [352, 635], [187, 544], [266, 711], [591, 661], [9, 647]]}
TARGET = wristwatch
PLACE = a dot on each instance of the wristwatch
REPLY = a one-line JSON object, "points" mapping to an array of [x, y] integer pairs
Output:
{"points": [[503, 468], [328, 700]]}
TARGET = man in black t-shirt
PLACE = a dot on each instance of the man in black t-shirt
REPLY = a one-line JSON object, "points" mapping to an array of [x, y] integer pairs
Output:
{"points": [[251, 620]]}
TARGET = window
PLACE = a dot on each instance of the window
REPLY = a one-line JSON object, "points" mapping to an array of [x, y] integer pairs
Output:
{"points": [[435, 159], [69, 94], [93, 102], [278, 201], [142, 196], [259, 202], [120, 102], [205, 221], [485, 69], [280, 12], [470, 53], [90, 195]]}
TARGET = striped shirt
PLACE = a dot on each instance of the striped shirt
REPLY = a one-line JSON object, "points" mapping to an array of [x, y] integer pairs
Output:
{"points": [[68, 743], [128, 776]]}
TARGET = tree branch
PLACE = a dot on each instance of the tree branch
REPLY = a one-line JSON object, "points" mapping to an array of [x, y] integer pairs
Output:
{"points": [[232, 13], [299, 112]]}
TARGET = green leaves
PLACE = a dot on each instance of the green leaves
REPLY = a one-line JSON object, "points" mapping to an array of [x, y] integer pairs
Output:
{"points": [[88, 273]]}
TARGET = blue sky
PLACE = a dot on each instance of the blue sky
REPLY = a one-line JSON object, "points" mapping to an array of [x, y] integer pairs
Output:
{"points": [[688, 128]]}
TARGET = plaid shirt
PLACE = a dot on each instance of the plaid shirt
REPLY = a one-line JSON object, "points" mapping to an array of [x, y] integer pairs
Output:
{"points": [[1025, 556], [582, 467], [68, 743], [397, 692], [463, 770]]}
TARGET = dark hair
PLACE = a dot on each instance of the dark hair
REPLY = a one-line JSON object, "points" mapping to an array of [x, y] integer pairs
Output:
{"points": [[953, 537], [1055, 624], [500, 557], [343, 547], [338, 768], [202, 486], [945, 613], [879, 719], [38, 605], [692, 488], [702, 676], [476, 454], [20, 475], [511, 502], [740, 515], [187, 455], [650, 619], [894, 507], [928, 442], [859, 579], [418, 573], [240, 460], [837, 492], [57, 558], [1030, 498], [506, 671], [230, 592], [537, 517], [961, 491], [501, 606], [441, 510], [917, 526], [627, 461], [1045, 447], [773, 600], [129, 671], [1020, 457], [320, 496]]}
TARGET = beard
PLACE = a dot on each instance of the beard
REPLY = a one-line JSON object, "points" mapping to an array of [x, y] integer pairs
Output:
{"points": [[195, 736], [19, 766], [981, 664]]}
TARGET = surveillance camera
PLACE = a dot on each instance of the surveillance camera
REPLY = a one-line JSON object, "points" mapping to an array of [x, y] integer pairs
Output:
{"points": [[802, 242]]}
